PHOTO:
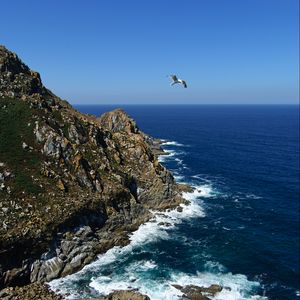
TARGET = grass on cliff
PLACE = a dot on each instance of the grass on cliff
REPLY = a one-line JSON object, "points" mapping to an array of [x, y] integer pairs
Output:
{"points": [[16, 127]]}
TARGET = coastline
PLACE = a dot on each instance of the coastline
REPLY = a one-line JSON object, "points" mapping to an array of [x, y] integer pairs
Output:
{"points": [[153, 227], [38, 290], [89, 181], [100, 189]]}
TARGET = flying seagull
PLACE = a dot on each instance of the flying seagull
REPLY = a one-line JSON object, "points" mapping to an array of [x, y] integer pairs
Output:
{"points": [[177, 80]]}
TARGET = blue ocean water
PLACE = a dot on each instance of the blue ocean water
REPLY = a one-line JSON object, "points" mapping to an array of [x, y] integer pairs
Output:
{"points": [[242, 228]]}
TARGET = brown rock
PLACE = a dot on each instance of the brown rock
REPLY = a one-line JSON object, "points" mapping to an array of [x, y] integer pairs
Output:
{"points": [[194, 292], [61, 185], [179, 208], [35, 291], [108, 166], [123, 295]]}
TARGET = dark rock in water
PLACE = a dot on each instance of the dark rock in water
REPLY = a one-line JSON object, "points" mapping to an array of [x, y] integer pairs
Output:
{"points": [[123, 295], [213, 289], [194, 292], [179, 208], [164, 224], [185, 188], [84, 183]]}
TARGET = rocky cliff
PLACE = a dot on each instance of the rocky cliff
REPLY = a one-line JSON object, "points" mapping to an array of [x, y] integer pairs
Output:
{"points": [[71, 185]]}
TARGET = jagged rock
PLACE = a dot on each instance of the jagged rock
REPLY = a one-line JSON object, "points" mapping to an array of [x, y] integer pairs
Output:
{"points": [[85, 232], [16, 78], [67, 246], [47, 270], [35, 291], [61, 185], [15, 275], [166, 224], [194, 292], [123, 295], [74, 264], [118, 121], [73, 134], [84, 185], [179, 208]]}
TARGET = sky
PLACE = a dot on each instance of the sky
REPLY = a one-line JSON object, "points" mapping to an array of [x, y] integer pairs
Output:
{"points": [[121, 51]]}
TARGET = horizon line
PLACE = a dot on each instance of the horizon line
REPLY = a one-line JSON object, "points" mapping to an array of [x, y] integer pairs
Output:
{"points": [[187, 104]]}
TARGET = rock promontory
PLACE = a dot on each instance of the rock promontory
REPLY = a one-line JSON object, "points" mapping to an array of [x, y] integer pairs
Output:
{"points": [[71, 185]]}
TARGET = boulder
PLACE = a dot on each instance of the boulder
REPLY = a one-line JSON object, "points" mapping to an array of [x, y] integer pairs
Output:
{"points": [[194, 292], [123, 295]]}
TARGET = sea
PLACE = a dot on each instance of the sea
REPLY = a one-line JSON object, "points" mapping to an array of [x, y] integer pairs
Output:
{"points": [[241, 229]]}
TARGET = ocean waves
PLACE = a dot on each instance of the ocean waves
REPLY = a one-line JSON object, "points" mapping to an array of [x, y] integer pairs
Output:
{"points": [[162, 252]]}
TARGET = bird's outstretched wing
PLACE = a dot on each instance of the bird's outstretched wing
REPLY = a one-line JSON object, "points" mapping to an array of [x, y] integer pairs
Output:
{"points": [[184, 83], [174, 77]]}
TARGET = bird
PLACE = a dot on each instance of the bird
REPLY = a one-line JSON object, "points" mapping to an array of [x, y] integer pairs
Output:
{"points": [[177, 80]]}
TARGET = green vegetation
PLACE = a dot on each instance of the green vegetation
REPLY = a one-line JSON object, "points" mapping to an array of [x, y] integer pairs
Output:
{"points": [[57, 115], [16, 127], [65, 130]]}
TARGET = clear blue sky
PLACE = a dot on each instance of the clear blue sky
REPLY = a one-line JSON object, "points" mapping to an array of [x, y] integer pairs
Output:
{"points": [[96, 51]]}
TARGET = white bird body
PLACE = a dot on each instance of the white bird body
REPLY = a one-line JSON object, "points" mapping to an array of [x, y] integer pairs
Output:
{"points": [[178, 80]]}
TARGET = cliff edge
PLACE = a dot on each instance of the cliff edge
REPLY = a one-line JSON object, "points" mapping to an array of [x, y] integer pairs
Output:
{"points": [[71, 185]]}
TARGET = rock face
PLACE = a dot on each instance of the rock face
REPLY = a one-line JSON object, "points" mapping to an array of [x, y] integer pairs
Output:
{"points": [[16, 78], [71, 185], [123, 295], [194, 292], [34, 291]]}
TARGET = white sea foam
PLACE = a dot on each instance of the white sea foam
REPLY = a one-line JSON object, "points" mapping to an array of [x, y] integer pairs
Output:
{"points": [[136, 273], [202, 177], [157, 289], [179, 161], [252, 196], [197, 176], [236, 287], [168, 154], [152, 231], [203, 191], [161, 158], [225, 228], [179, 178], [148, 232], [214, 267], [149, 264], [172, 143]]}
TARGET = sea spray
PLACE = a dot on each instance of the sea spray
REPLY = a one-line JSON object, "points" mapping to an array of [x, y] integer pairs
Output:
{"points": [[131, 268]]}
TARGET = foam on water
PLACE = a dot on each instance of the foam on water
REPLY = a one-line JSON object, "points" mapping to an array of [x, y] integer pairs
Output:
{"points": [[140, 274], [152, 230], [156, 229], [135, 275], [172, 143], [179, 161], [179, 178], [203, 191], [168, 154], [236, 287]]}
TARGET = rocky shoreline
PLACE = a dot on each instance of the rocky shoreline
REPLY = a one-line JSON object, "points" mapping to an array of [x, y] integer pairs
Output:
{"points": [[38, 291], [72, 185]]}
